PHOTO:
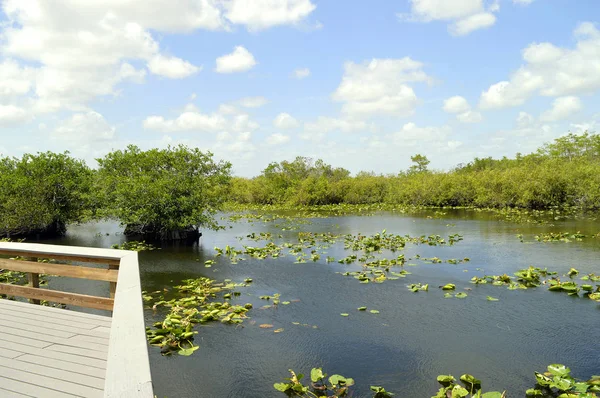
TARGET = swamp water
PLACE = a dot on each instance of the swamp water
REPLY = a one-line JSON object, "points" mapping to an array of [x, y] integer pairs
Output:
{"points": [[413, 338]]}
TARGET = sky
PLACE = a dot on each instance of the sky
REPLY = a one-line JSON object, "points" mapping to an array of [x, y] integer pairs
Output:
{"points": [[363, 85]]}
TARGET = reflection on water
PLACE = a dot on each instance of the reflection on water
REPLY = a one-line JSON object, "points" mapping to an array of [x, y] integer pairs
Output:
{"points": [[413, 339]]}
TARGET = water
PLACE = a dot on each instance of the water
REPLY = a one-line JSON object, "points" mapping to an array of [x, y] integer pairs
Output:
{"points": [[415, 337]]}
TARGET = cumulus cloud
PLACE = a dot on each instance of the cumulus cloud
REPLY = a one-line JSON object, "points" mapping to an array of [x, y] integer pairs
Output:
{"points": [[465, 16], [86, 127], [285, 121], [524, 119], [11, 115], [458, 105], [315, 131], [262, 14], [562, 108], [171, 67], [192, 119], [551, 71], [253, 102], [277, 139], [83, 50], [301, 73], [240, 60], [380, 86]]}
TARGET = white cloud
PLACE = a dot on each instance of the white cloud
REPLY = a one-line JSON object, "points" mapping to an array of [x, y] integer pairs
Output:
{"points": [[301, 73], [187, 121], [562, 108], [524, 120], [471, 23], [277, 139], [429, 10], [459, 106], [551, 71], [285, 121], [379, 87], [15, 80], [315, 131], [456, 104], [192, 119], [469, 117], [523, 2], [11, 115], [253, 102], [262, 14], [171, 67], [86, 127], [240, 60], [242, 123], [83, 51], [410, 134], [465, 16]]}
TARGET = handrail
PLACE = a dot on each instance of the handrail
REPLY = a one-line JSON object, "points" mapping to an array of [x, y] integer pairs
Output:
{"points": [[128, 366]]}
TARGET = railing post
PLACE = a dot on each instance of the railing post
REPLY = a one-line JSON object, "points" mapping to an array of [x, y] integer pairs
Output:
{"points": [[34, 281], [113, 285]]}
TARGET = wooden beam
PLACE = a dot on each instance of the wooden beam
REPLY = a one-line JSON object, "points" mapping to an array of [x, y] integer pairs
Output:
{"points": [[58, 252], [34, 281], [71, 271], [128, 366], [81, 300]]}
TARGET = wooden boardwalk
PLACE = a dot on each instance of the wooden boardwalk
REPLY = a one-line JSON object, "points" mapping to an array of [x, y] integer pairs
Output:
{"points": [[51, 352], [54, 352]]}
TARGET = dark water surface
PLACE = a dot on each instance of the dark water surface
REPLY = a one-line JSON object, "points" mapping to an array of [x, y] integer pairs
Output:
{"points": [[415, 337]]}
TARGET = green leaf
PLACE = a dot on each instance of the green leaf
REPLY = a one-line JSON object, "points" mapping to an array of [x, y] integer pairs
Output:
{"points": [[362, 308], [459, 392], [374, 312], [186, 352], [449, 286], [559, 370], [283, 387], [461, 295], [490, 298], [470, 379], [445, 379], [334, 380], [316, 374], [534, 392], [492, 394], [344, 314]]}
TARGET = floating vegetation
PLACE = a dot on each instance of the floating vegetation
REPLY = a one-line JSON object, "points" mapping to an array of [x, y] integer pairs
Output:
{"points": [[555, 382], [195, 303], [334, 386], [417, 287], [134, 245]]}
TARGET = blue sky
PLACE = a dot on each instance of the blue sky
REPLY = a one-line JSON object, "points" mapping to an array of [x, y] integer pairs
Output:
{"points": [[361, 84]]}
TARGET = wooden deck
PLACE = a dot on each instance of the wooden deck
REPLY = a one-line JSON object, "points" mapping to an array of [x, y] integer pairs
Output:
{"points": [[53, 352]]}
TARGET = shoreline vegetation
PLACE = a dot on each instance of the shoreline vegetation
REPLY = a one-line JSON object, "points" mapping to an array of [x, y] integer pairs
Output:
{"points": [[170, 194]]}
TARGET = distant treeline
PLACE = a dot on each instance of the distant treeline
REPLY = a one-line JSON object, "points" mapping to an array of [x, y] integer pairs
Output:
{"points": [[170, 193], [565, 172]]}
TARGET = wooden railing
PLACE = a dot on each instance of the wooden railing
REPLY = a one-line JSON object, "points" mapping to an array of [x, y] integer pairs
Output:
{"points": [[128, 367]]}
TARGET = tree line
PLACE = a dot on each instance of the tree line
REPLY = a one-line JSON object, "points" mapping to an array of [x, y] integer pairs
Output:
{"points": [[171, 193]]}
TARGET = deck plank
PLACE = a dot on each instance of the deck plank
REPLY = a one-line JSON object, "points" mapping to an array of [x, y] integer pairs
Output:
{"points": [[64, 365], [37, 325], [53, 311], [58, 323], [50, 383], [30, 389], [40, 352], [11, 394], [95, 382]]}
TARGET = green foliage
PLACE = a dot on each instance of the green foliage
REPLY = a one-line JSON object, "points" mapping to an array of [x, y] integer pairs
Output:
{"points": [[163, 190], [42, 193], [565, 172]]}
